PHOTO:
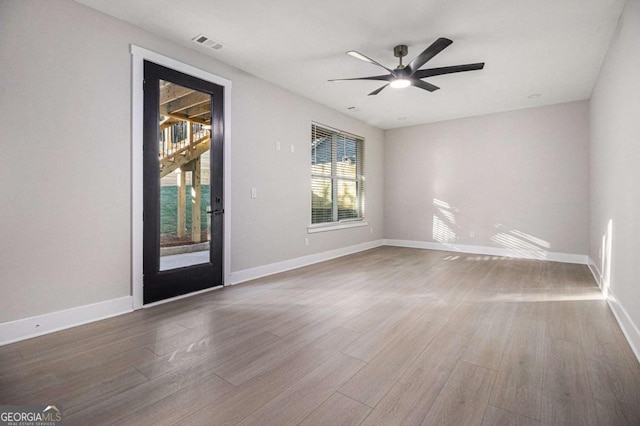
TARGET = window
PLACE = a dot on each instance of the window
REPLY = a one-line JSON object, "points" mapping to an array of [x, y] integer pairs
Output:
{"points": [[337, 178]]}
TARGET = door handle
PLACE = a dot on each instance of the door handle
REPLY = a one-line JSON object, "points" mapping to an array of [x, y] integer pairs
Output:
{"points": [[216, 212]]}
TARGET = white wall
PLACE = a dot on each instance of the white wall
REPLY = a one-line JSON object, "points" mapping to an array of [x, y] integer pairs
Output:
{"points": [[65, 174], [519, 180], [273, 226], [615, 163]]}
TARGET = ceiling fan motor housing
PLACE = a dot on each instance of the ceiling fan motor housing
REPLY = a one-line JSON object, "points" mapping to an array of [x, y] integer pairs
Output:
{"points": [[400, 51]]}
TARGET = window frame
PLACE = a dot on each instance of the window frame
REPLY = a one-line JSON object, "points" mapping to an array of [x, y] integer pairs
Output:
{"points": [[359, 180]]}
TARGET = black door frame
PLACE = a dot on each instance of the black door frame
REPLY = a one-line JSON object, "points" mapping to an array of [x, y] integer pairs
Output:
{"points": [[160, 285]]}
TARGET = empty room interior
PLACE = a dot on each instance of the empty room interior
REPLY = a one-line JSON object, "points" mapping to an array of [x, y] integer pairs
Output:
{"points": [[320, 213]]}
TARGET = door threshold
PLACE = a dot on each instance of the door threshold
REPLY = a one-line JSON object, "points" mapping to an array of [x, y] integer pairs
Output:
{"points": [[183, 296]]}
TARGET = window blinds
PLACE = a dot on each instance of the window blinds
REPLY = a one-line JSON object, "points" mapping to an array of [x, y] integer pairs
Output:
{"points": [[337, 176]]}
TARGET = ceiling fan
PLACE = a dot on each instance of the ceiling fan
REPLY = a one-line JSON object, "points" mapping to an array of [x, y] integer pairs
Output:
{"points": [[411, 74]]}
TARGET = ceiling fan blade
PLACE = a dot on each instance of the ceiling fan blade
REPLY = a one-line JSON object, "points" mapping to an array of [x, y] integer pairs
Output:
{"points": [[424, 85], [375, 92], [374, 77], [447, 70], [362, 57], [436, 47]]}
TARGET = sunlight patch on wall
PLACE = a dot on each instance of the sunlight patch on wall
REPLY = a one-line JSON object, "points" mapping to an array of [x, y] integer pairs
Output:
{"points": [[440, 203], [525, 245], [531, 238], [445, 210], [442, 232], [448, 215], [444, 222]]}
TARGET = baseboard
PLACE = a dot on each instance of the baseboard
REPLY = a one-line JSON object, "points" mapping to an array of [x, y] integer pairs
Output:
{"points": [[595, 271], [491, 251], [627, 325], [287, 265], [27, 328]]}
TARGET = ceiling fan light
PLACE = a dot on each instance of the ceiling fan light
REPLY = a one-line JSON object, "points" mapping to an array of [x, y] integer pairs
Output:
{"points": [[400, 83]]}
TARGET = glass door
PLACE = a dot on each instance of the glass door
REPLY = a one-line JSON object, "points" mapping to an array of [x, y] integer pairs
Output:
{"points": [[183, 215]]}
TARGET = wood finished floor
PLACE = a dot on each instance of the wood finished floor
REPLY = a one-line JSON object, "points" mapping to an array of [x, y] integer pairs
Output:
{"points": [[387, 336]]}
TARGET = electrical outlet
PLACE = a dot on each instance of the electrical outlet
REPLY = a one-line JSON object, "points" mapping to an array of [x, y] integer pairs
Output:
{"points": [[254, 192], [278, 146], [293, 148], [306, 242], [371, 231], [472, 234]]}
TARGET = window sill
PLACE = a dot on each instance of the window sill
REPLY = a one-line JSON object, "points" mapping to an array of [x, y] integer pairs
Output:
{"points": [[335, 226]]}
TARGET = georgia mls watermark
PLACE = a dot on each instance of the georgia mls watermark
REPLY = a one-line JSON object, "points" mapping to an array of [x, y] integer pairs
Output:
{"points": [[30, 415]]}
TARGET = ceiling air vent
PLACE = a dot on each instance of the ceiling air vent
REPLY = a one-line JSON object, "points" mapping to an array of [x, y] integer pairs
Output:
{"points": [[207, 41]]}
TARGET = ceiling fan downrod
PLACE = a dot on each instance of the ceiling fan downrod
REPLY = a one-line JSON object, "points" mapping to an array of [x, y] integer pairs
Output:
{"points": [[400, 51]]}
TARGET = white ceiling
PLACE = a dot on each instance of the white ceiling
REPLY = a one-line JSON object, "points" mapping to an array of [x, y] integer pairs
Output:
{"points": [[550, 47]]}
